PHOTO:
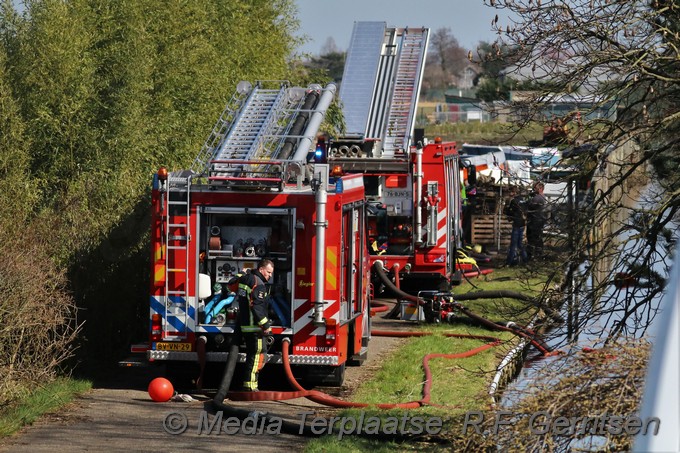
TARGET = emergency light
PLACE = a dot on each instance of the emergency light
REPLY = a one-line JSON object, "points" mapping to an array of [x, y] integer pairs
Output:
{"points": [[320, 153]]}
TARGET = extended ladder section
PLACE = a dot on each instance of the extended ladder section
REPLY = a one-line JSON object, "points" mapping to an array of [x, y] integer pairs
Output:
{"points": [[381, 84], [405, 91], [261, 131], [221, 128], [255, 123]]}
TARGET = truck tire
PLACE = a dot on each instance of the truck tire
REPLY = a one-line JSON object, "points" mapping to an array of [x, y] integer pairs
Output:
{"points": [[325, 376], [182, 375], [336, 377]]}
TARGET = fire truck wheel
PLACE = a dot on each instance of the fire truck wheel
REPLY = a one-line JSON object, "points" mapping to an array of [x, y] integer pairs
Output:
{"points": [[181, 374], [336, 377], [326, 376]]}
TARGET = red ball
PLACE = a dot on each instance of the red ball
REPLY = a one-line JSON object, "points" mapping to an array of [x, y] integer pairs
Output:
{"points": [[161, 390]]}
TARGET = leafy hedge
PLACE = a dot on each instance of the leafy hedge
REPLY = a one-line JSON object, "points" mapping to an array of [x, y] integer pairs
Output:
{"points": [[95, 95]]}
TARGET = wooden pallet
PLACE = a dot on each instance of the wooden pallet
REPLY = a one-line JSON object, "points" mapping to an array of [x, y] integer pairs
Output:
{"points": [[485, 230]]}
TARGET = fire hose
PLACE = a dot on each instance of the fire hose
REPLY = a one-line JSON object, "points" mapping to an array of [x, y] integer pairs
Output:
{"points": [[377, 307], [324, 398], [513, 328], [328, 400], [380, 270], [532, 337]]}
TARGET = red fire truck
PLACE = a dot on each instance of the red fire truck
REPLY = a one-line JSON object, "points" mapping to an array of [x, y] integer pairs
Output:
{"points": [[413, 187], [334, 216], [258, 190]]}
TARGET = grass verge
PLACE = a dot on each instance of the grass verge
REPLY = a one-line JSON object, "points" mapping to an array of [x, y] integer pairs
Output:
{"points": [[459, 384], [43, 400]]}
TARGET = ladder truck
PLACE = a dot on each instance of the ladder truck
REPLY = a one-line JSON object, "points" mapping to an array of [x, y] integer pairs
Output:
{"points": [[259, 189], [413, 188]]}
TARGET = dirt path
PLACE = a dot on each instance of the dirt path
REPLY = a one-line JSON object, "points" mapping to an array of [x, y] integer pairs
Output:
{"points": [[118, 415]]}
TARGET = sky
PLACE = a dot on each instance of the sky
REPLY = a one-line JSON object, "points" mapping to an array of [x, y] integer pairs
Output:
{"points": [[469, 20]]}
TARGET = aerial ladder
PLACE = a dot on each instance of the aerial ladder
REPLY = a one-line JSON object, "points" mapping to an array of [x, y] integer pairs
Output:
{"points": [[381, 85]]}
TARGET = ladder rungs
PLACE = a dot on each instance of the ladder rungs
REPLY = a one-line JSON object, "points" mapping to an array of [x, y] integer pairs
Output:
{"points": [[177, 270], [177, 247], [177, 293]]}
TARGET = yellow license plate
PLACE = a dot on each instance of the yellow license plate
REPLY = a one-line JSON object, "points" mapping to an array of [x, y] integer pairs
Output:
{"points": [[184, 347]]}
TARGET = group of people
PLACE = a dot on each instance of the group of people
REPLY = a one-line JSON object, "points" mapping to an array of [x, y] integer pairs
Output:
{"points": [[531, 214]]}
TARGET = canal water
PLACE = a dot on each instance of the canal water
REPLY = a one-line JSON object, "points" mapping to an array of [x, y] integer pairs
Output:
{"points": [[623, 310]]}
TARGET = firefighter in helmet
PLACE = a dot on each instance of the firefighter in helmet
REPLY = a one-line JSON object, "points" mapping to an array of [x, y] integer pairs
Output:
{"points": [[253, 299]]}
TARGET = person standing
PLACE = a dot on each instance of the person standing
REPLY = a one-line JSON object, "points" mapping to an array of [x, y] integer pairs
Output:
{"points": [[253, 298], [515, 212], [537, 215]]}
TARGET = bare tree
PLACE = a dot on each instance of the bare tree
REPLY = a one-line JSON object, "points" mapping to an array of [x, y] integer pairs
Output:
{"points": [[445, 61], [329, 46], [618, 60]]}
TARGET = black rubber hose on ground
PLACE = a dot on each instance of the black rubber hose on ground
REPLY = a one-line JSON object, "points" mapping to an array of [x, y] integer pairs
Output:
{"points": [[501, 293], [380, 270], [393, 313], [229, 411], [228, 375], [540, 345], [287, 426]]}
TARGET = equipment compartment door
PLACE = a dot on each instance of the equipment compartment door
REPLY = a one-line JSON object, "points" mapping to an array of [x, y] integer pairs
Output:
{"points": [[453, 186], [351, 262]]}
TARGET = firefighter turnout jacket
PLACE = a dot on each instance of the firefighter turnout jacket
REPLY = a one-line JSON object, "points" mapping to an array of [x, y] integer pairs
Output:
{"points": [[253, 299]]}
